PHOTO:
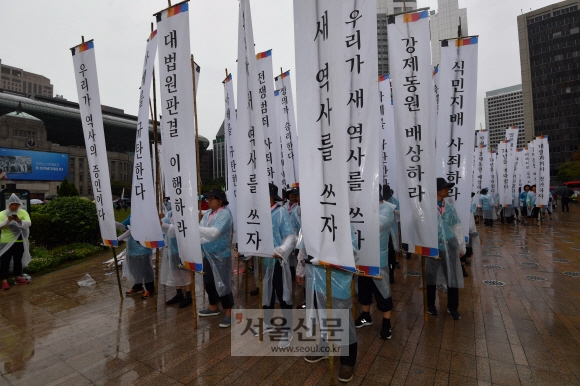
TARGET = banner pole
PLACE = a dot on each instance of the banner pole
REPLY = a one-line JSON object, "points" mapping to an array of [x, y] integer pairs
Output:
{"points": [[352, 291], [424, 278], [193, 299], [193, 295], [246, 282], [329, 317], [117, 271], [154, 116], [261, 328]]}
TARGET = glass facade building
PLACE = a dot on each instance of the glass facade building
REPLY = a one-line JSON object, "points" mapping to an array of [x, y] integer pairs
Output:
{"points": [[504, 108], [384, 8]]}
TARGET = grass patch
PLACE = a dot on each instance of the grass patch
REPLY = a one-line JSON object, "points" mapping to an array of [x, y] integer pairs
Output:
{"points": [[121, 215], [44, 261]]}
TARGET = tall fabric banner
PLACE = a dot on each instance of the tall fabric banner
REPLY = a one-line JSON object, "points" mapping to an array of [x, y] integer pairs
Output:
{"points": [[388, 151], [493, 189], [145, 226], [360, 45], [435, 100], [254, 217], [479, 173], [487, 166], [410, 63], [230, 133], [178, 128], [322, 94], [85, 67], [511, 135], [287, 129], [266, 106], [526, 169], [516, 176], [504, 181], [456, 120], [481, 138], [533, 163], [543, 185]]}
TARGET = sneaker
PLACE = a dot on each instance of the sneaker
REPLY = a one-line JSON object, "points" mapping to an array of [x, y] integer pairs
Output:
{"points": [[285, 340], [21, 281], [208, 312], [5, 286], [174, 300], [133, 291], [301, 306], [397, 265], [464, 271], [255, 292], [468, 263], [364, 319], [442, 287], [147, 295], [185, 302], [345, 373], [454, 314], [226, 322], [251, 268], [314, 358], [266, 330], [386, 331], [431, 310]]}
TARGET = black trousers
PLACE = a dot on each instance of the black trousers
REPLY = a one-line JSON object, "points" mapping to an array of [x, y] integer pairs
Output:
{"points": [[148, 286], [277, 292], [214, 298], [14, 252], [452, 297], [367, 288], [565, 205]]}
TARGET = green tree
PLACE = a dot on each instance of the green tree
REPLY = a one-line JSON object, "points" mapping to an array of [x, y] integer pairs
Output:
{"points": [[570, 171], [67, 189], [118, 186]]}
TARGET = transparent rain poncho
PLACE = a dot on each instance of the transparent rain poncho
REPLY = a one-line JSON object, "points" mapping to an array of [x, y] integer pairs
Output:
{"points": [[447, 270], [386, 220], [15, 230], [487, 206], [284, 243], [215, 230], [137, 267], [170, 274], [395, 226]]}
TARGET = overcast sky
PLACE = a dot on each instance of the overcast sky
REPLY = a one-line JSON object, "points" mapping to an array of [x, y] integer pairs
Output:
{"points": [[36, 35]]}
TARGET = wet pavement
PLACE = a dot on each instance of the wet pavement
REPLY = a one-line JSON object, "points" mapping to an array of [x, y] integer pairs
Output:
{"points": [[525, 332]]}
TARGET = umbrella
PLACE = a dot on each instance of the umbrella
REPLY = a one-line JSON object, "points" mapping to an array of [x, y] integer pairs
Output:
{"points": [[563, 191], [51, 197], [36, 201]]}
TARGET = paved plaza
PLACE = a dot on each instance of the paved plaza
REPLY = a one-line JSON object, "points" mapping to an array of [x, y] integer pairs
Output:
{"points": [[527, 332]]}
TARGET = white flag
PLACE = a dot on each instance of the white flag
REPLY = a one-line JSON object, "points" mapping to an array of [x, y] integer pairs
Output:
{"points": [[543, 163], [516, 176], [526, 169], [85, 67], [481, 138], [231, 133], [322, 96], [479, 175], [287, 129], [178, 130], [145, 226], [456, 120], [511, 135], [253, 199], [533, 163], [493, 189], [388, 151], [410, 63], [504, 181]]}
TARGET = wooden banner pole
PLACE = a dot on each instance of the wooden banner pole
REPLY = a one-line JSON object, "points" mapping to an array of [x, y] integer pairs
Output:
{"points": [[261, 288], [329, 317], [424, 279], [117, 271]]}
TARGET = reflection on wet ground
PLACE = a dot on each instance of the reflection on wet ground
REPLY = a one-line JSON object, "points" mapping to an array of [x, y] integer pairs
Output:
{"points": [[524, 332]]}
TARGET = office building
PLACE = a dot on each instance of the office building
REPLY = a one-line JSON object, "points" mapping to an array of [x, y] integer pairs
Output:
{"points": [[444, 25], [384, 8], [16, 79], [550, 61], [219, 154], [206, 166], [504, 108]]}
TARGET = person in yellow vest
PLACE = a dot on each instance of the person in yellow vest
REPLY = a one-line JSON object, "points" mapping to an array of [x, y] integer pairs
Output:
{"points": [[14, 223]]}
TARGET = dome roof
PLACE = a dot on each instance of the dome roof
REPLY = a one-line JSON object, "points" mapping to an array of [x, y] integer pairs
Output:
{"points": [[23, 115]]}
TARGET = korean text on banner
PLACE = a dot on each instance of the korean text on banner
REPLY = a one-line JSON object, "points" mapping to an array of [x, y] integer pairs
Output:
{"points": [[322, 95], [144, 218], [503, 173], [85, 67], [526, 169], [178, 127], [410, 62], [481, 137], [388, 152], [511, 135], [287, 129], [493, 189], [435, 100], [516, 176], [230, 133], [254, 218], [543, 185], [479, 172], [533, 162], [456, 120]]}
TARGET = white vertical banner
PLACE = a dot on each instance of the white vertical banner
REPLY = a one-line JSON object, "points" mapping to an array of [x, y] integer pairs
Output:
{"points": [[516, 176], [435, 100], [360, 45], [145, 226], [288, 131], [264, 102], [230, 134], [388, 151], [481, 138], [411, 75], [486, 176], [85, 67], [286, 152], [456, 120], [526, 169], [322, 96], [493, 189], [254, 217], [511, 135], [543, 185], [504, 181], [178, 130], [479, 171], [533, 162]]}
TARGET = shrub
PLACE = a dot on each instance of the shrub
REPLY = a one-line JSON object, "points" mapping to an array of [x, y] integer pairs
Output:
{"points": [[67, 189], [42, 259]]}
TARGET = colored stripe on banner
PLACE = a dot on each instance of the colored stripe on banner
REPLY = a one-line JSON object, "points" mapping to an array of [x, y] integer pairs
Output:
{"points": [[194, 267], [465, 42], [383, 77], [264, 54], [86, 46], [152, 35], [155, 244], [177, 9], [425, 251], [411, 17], [284, 75], [542, 136], [229, 78], [507, 205], [276, 93], [341, 267], [436, 70], [111, 243], [369, 271]]}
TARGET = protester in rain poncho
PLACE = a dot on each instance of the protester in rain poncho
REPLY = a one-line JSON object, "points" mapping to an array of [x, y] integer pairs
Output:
{"points": [[215, 231], [487, 207], [137, 267], [531, 204], [446, 270], [276, 277], [379, 288], [393, 246], [523, 203], [315, 278], [293, 208], [171, 275], [14, 223]]}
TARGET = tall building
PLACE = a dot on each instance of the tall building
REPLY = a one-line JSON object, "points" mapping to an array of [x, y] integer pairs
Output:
{"points": [[504, 108], [384, 8], [206, 166], [444, 23], [550, 61], [16, 79], [219, 154]]}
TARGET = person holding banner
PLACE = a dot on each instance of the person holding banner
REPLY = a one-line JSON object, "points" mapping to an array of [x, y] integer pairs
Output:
{"points": [[487, 206], [531, 204], [138, 267], [379, 288], [446, 270], [14, 223], [523, 203], [387, 194], [171, 275], [215, 230]]}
